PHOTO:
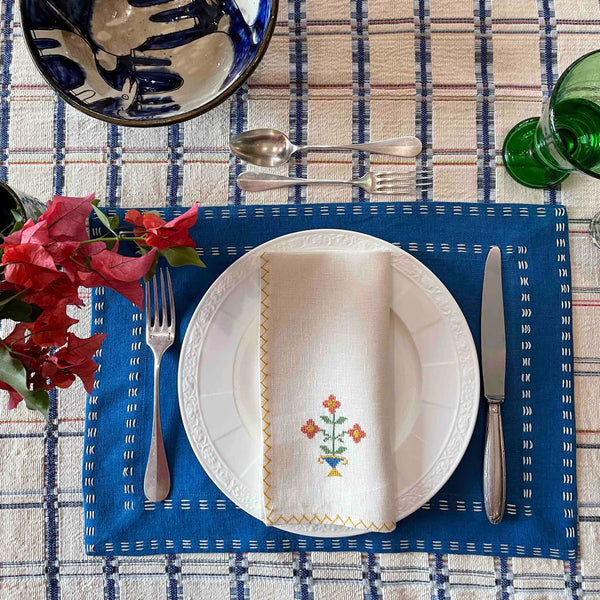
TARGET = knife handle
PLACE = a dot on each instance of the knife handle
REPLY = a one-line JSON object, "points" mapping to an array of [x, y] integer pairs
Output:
{"points": [[494, 466]]}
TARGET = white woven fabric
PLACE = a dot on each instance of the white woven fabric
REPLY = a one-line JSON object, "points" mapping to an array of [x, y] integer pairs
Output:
{"points": [[324, 384]]}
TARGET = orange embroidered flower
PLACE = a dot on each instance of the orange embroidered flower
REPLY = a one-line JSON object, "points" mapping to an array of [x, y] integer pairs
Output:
{"points": [[356, 433], [310, 429], [332, 404]]}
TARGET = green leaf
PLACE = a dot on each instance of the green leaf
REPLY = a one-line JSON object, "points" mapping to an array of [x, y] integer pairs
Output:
{"points": [[340, 420], [12, 307], [114, 221], [181, 255], [7, 296], [14, 374], [325, 449], [326, 419], [95, 201], [103, 219], [340, 450], [326, 436], [17, 310]]}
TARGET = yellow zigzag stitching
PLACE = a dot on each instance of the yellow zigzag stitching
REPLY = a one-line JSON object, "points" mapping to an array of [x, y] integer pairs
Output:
{"points": [[263, 378], [337, 519]]}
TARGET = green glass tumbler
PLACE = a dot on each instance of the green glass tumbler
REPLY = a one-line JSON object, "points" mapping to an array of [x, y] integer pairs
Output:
{"points": [[540, 152]]}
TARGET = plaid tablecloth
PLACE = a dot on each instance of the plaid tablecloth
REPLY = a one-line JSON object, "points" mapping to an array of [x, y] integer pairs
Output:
{"points": [[457, 73]]}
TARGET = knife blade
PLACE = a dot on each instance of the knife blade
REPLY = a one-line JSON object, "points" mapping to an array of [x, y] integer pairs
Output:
{"points": [[493, 359]]}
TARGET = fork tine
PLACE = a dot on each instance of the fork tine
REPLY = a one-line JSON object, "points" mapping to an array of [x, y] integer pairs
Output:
{"points": [[402, 177], [400, 174], [163, 307], [393, 189], [404, 192], [156, 317], [171, 301], [147, 304]]}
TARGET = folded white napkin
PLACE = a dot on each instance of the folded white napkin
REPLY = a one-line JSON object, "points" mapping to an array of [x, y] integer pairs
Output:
{"points": [[324, 333]]}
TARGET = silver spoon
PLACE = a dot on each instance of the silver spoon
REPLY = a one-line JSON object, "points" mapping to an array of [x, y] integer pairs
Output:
{"points": [[271, 148]]}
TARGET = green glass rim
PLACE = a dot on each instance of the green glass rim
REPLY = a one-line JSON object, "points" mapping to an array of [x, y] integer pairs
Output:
{"points": [[561, 148]]}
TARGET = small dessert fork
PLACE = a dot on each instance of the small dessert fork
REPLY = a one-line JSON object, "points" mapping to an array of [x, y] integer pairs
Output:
{"points": [[402, 183], [160, 333]]}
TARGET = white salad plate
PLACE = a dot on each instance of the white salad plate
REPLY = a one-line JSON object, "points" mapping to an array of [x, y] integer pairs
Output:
{"points": [[433, 360]]}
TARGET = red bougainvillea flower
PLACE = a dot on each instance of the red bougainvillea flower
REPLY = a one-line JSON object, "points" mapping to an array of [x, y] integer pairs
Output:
{"points": [[118, 272], [74, 359], [356, 433], [31, 355], [29, 266], [310, 429], [331, 404], [66, 218], [59, 293], [160, 234], [50, 328]]}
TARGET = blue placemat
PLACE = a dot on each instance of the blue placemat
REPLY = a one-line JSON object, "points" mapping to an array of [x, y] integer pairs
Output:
{"points": [[452, 240]]}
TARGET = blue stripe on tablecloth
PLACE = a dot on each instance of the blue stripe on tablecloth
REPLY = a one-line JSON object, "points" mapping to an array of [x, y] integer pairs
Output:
{"points": [[111, 578], [371, 571], [238, 573], [303, 579], [174, 586], [424, 89], [175, 173], [59, 146], [114, 183], [504, 578], [573, 587], [238, 122], [115, 164], [484, 76], [298, 93], [361, 90], [438, 575], [51, 524], [51, 500], [548, 59], [7, 55]]}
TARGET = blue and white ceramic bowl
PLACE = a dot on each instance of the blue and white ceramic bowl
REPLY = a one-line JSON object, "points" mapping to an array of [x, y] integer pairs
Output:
{"points": [[147, 62]]}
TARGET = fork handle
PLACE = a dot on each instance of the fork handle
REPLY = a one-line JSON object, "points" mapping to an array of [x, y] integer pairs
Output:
{"points": [[260, 182], [157, 480]]}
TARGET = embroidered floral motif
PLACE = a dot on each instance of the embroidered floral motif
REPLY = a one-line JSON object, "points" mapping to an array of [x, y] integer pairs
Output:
{"points": [[332, 404], [310, 429], [356, 433], [332, 445]]}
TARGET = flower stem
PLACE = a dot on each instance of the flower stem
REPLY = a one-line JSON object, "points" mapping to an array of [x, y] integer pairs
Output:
{"points": [[120, 237], [333, 436]]}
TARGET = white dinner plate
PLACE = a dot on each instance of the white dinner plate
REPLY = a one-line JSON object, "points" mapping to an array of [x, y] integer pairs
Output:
{"points": [[433, 361]]}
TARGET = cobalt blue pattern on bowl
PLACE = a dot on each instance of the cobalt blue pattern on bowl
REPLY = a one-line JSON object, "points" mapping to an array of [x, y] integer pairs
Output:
{"points": [[147, 62]]}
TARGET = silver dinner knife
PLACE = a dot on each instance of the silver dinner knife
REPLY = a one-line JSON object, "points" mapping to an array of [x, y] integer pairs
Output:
{"points": [[493, 358]]}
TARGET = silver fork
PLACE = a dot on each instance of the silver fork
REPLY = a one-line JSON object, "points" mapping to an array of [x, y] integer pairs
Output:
{"points": [[374, 183], [160, 333]]}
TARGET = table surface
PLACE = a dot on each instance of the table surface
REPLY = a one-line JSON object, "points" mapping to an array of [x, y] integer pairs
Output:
{"points": [[459, 74]]}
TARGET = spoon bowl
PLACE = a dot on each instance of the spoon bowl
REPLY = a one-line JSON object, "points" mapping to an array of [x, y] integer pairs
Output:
{"points": [[263, 147]]}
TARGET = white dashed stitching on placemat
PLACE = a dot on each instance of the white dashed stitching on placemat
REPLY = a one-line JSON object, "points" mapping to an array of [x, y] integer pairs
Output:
{"points": [[527, 410]]}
